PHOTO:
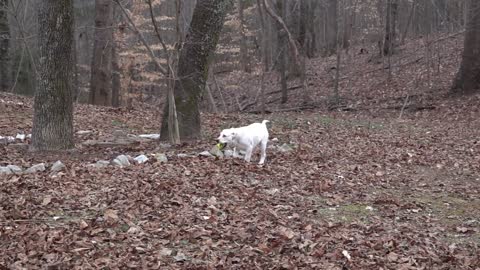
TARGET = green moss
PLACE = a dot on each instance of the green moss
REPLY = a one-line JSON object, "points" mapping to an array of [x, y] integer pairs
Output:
{"points": [[347, 213]]}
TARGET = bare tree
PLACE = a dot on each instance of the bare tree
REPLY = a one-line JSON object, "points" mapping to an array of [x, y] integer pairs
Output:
{"points": [[307, 35], [390, 25], [282, 45], [244, 58], [53, 107], [331, 27], [193, 65], [297, 58], [4, 46], [467, 79], [101, 77]]}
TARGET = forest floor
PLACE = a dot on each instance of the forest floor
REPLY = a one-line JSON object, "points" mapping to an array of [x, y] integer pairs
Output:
{"points": [[361, 189]]}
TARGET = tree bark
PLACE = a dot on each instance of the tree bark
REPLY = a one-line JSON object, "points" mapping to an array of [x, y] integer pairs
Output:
{"points": [[101, 80], [264, 32], [282, 46], [467, 80], [53, 107], [193, 64], [390, 25], [309, 36], [116, 78], [116, 69], [244, 58], [332, 27], [4, 46]]}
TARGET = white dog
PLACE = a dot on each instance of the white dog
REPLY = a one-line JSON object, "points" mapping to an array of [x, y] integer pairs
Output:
{"points": [[247, 138]]}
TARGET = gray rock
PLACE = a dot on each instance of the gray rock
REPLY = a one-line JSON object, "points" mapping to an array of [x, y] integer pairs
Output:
{"points": [[103, 163], [90, 143], [183, 155], [15, 169], [99, 164], [215, 151], [180, 257], [150, 136], [141, 159], [36, 168], [7, 139], [57, 166], [121, 160], [285, 148], [205, 154], [20, 137], [161, 157], [84, 132], [5, 170]]}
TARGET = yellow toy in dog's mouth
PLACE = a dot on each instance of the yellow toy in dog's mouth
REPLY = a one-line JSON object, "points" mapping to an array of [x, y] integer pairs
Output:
{"points": [[220, 146]]}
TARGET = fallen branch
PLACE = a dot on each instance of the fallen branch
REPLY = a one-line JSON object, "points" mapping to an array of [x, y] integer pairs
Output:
{"points": [[296, 109], [269, 93]]}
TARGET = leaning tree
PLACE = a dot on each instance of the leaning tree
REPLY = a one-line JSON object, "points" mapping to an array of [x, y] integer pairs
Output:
{"points": [[193, 64], [53, 107]]}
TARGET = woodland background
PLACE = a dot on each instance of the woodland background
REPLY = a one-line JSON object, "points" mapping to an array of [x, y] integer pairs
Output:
{"points": [[373, 162]]}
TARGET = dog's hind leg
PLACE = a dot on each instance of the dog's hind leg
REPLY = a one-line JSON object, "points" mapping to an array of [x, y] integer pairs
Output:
{"points": [[248, 154], [263, 155]]}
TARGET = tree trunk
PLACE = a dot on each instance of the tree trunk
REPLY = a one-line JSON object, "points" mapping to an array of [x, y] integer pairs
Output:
{"points": [[53, 107], [310, 35], [390, 25], [409, 21], [192, 71], [282, 46], [116, 84], [4, 46], [331, 27], [101, 80], [116, 69], [244, 58], [467, 79]]}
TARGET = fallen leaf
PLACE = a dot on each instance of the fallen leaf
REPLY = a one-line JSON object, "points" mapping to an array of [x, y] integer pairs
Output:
{"points": [[286, 232], [46, 200], [110, 215], [83, 224]]}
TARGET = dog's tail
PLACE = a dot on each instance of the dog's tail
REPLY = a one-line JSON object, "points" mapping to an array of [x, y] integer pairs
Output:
{"points": [[264, 122]]}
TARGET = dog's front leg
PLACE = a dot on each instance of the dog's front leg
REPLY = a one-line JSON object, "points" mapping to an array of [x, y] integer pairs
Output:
{"points": [[235, 153]]}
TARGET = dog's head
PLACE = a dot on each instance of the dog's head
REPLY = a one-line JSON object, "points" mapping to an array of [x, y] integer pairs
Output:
{"points": [[226, 136]]}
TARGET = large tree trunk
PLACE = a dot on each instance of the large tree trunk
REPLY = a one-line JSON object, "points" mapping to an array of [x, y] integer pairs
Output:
{"points": [[281, 6], [390, 27], [116, 78], [101, 80], [4, 46], [307, 27], [116, 69], [244, 57], [193, 64], [331, 27], [467, 79], [53, 108]]}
